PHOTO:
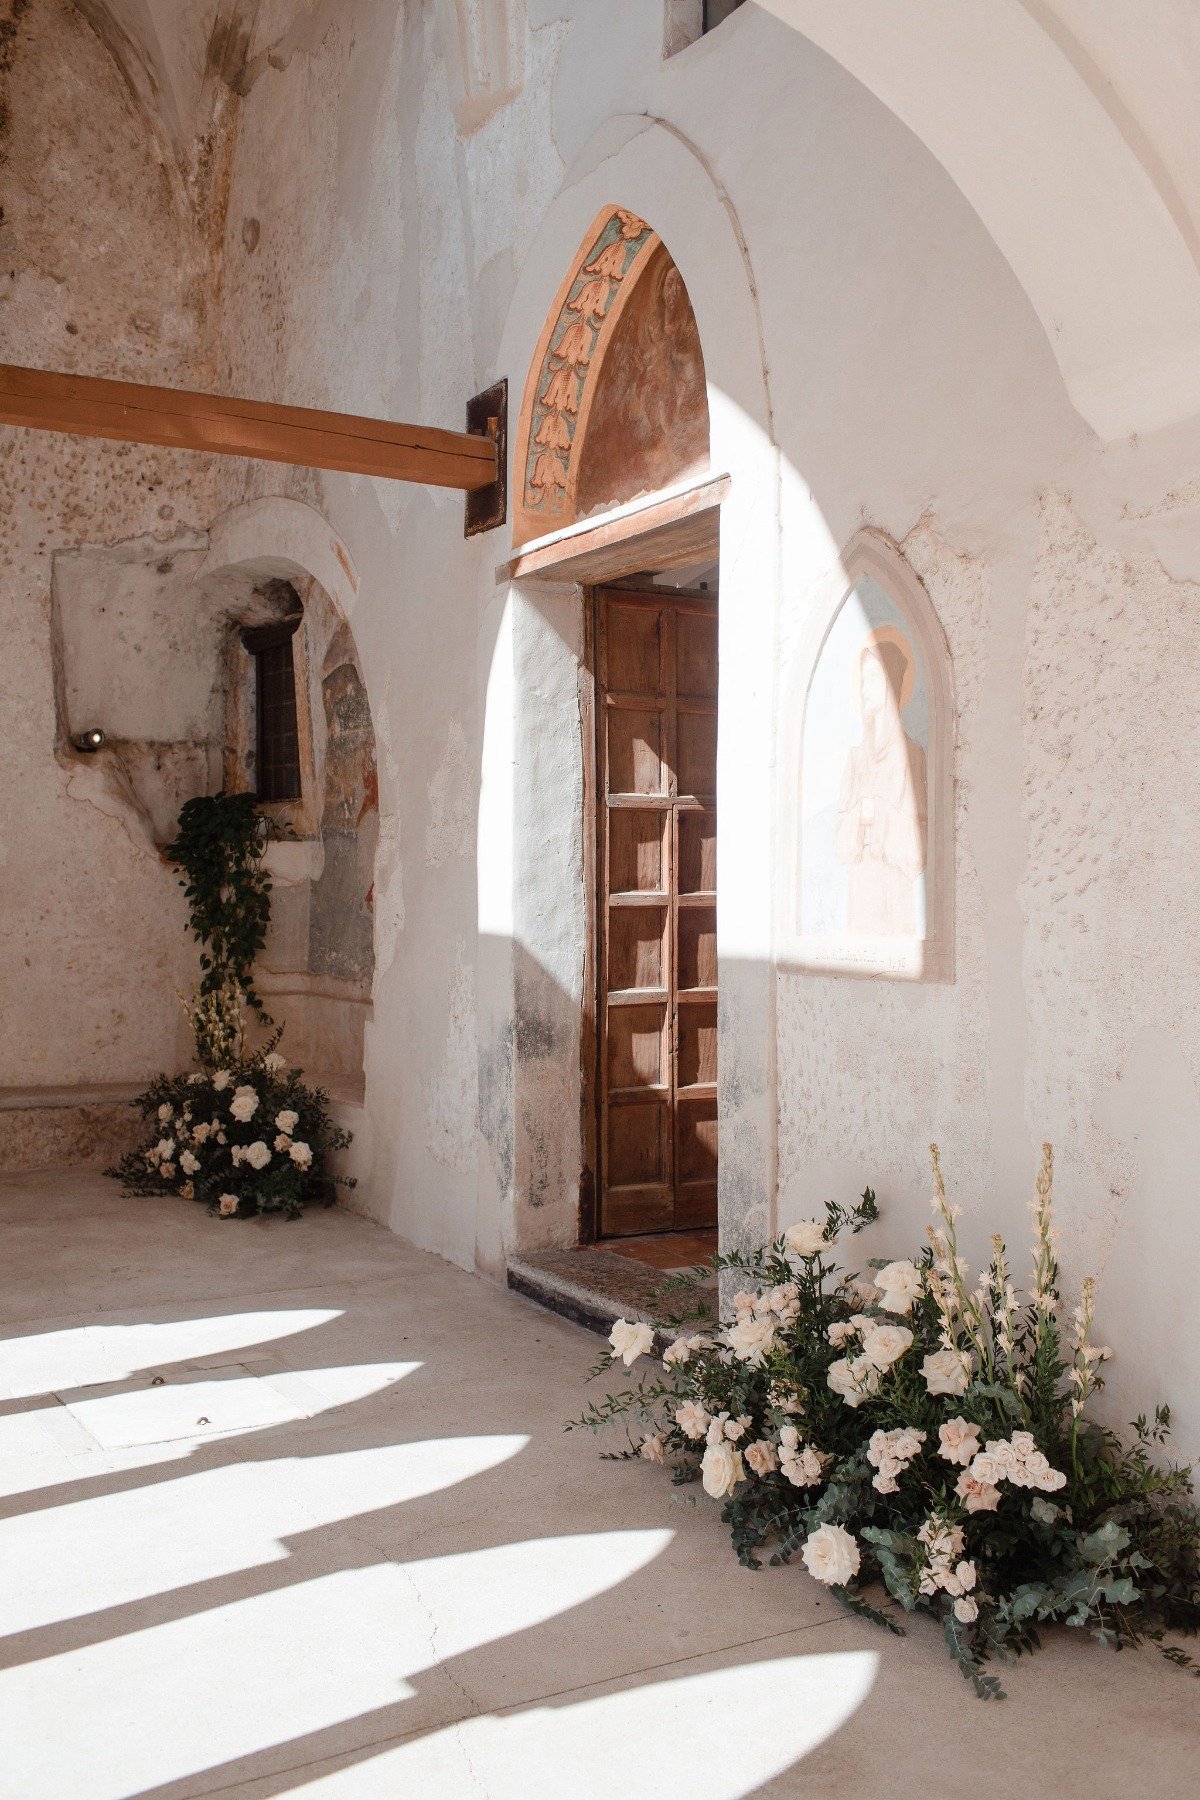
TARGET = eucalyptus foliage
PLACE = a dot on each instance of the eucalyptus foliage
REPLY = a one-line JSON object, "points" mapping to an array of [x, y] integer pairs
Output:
{"points": [[925, 1436]]}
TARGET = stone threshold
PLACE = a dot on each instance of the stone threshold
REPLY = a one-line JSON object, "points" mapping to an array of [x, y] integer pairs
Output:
{"points": [[594, 1287]]}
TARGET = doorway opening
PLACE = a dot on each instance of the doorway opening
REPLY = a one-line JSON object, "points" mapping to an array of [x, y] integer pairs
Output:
{"points": [[654, 949]]}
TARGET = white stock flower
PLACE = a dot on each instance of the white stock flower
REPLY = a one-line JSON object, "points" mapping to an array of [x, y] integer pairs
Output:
{"points": [[751, 1339], [201, 1131], [227, 1204], [653, 1448], [257, 1154], [164, 1150], [831, 1555], [630, 1340], [803, 1466], [721, 1469], [899, 1284], [841, 1332], [302, 1156], [855, 1378], [244, 1105], [167, 1171], [945, 1372], [966, 1610], [189, 1163], [959, 1441], [287, 1121], [885, 1344], [274, 1062], [196, 1079], [807, 1239], [692, 1419], [221, 1080]]}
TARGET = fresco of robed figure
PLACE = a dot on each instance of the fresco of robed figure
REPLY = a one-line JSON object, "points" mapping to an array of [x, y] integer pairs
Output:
{"points": [[880, 834]]}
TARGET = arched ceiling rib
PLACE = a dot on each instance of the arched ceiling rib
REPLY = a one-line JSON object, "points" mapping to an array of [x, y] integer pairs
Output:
{"points": [[1083, 177]]}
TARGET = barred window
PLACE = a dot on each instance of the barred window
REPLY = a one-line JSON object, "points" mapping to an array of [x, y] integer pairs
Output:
{"points": [[277, 746]]}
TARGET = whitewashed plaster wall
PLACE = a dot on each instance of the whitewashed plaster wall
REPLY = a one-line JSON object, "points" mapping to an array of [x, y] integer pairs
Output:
{"points": [[376, 260], [97, 272], [910, 386]]}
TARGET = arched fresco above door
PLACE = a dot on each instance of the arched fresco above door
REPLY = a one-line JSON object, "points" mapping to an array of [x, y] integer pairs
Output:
{"points": [[616, 403]]}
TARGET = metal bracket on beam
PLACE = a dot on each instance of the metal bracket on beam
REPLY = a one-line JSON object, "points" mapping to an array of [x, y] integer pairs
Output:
{"points": [[487, 416]]}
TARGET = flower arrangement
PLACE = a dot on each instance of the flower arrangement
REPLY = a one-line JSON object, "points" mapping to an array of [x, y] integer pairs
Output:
{"points": [[250, 1138], [918, 1431]]}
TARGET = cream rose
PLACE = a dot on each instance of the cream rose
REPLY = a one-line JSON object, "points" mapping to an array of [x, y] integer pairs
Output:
{"points": [[966, 1610], [841, 1332], [692, 1419], [301, 1155], [287, 1121], [807, 1239], [762, 1457], [257, 1154], [899, 1284], [227, 1204], [751, 1340], [885, 1344], [945, 1373], [959, 1441], [244, 1105], [165, 1115], [855, 1378], [976, 1496], [653, 1448], [831, 1555], [221, 1080], [189, 1163], [630, 1340], [721, 1469]]}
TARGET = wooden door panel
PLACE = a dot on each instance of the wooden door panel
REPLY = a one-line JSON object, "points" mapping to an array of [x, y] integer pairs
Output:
{"points": [[698, 851], [656, 961], [638, 950], [636, 852], [635, 751]]}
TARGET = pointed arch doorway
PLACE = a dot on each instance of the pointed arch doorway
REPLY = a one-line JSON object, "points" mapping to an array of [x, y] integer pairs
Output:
{"points": [[613, 490]]}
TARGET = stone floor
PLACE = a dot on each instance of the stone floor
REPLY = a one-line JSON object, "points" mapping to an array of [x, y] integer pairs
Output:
{"points": [[289, 1510]]}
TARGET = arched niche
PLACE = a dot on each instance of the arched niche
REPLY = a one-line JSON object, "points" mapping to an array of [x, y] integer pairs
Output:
{"points": [[867, 780], [268, 559], [616, 403]]}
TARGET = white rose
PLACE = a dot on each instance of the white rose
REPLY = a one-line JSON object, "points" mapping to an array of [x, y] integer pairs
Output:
{"points": [[691, 1419], [165, 1114], [885, 1344], [805, 1239], [244, 1105], [966, 1610], [167, 1171], [227, 1204], [985, 1468], [302, 1156], [831, 1555], [221, 1080], [899, 1284], [736, 1428], [965, 1573], [1051, 1482], [959, 1441], [841, 1332], [721, 1469], [653, 1448], [751, 1339], [200, 1132], [282, 1143], [287, 1121], [257, 1154], [189, 1163], [854, 1378], [945, 1373], [630, 1340], [678, 1352]]}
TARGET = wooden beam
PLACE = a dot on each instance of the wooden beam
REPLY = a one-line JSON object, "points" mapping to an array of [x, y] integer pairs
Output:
{"points": [[84, 406], [656, 532]]}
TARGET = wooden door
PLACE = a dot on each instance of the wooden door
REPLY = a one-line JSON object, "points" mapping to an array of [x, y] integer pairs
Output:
{"points": [[656, 950]]}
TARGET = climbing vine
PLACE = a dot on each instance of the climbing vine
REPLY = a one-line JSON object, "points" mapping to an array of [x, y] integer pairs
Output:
{"points": [[219, 849]]}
